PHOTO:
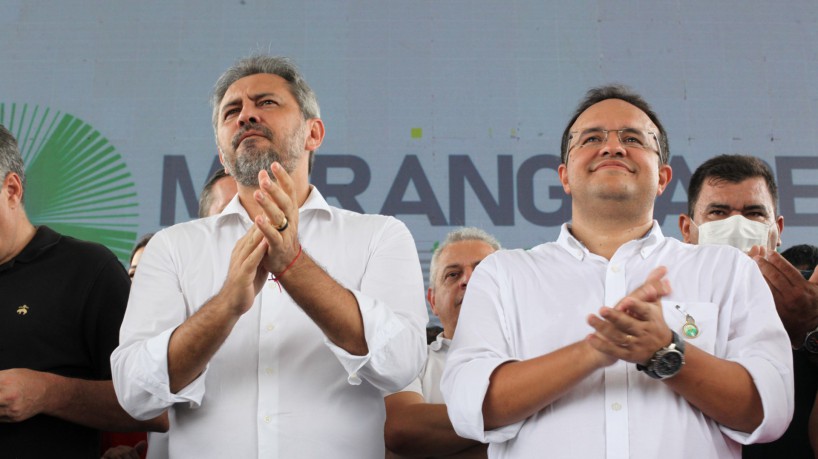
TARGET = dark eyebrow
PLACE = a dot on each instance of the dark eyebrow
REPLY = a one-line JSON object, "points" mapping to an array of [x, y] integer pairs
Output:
{"points": [[590, 129], [230, 103], [253, 97], [757, 207], [717, 205], [600, 129], [722, 206], [453, 265]]}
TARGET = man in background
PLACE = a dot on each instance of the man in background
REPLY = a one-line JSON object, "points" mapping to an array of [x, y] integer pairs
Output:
{"points": [[733, 200], [63, 300], [217, 192], [803, 256], [136, 253], [417, 424]]}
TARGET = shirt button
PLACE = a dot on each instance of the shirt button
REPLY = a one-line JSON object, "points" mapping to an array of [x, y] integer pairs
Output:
{"points": [[615, 268], [268, 370], [267, 419], [270, 327], [616, 406]]}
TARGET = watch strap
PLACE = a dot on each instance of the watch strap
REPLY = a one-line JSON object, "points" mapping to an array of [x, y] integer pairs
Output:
{"points": [[677, 343]]}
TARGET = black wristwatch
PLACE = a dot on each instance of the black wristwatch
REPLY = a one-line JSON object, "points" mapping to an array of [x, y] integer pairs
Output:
{"points": [[668, 361], [811, 342]]}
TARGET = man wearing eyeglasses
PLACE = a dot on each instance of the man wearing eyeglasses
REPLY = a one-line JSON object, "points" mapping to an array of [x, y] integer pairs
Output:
{"points": [[616, 341]]}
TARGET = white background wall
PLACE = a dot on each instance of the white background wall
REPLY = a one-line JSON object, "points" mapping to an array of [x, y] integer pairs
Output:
{"points": [[484, 79]]}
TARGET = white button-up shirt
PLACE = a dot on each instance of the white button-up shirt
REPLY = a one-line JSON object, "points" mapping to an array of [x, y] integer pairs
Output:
{"points": [[524, 304], [277, 387], [427, 383]]}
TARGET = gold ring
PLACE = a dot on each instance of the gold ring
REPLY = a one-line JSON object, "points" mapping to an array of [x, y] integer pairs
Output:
{"points": [[627, 343], [283, 225]]}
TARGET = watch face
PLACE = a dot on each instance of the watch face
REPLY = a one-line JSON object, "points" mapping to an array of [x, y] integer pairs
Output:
{"points": [[669, 363], [811, 343]]}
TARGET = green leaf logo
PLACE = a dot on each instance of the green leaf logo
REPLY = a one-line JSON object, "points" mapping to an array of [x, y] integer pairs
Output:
{"points": [[76, 182]]}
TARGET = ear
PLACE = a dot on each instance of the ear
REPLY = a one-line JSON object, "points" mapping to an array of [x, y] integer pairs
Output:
{"points": [[684, 227], [780, 223], [665, 175], [315, 134], [221, 157], [562, 170], [13, 187], [430, 297]]}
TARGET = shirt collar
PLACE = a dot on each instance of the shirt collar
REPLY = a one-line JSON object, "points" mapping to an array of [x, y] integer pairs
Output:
{"points": [[645, 245], [315, 202], [43, 239], [440, 343]]}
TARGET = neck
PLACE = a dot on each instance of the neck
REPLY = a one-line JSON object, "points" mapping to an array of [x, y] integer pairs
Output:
{"points": [[21, 235], [603, 235]]}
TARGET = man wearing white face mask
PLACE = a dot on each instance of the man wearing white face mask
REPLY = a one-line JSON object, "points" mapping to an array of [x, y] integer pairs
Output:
{"points": [[732, 200]]}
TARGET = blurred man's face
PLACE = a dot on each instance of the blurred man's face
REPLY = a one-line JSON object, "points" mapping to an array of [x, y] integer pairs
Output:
{"points": [[135, 261], [221, 193]]}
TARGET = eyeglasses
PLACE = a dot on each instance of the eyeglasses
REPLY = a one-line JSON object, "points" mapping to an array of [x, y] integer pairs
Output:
{"points": [[628, 138]]}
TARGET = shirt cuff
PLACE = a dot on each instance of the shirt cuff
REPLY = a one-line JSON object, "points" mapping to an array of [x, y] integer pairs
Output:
{"points": [[149, 394], [394, 358], [466, 406], [775, 388]]}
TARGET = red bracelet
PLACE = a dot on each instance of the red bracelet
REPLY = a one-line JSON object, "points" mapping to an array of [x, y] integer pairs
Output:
{"points": [[276, 278]]}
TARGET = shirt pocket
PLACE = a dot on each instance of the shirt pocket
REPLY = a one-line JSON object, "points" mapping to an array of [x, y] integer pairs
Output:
{"points": [[695, 322]]}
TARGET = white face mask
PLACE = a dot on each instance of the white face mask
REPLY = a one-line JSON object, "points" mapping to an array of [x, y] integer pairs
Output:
{"points": [[736, 231]]}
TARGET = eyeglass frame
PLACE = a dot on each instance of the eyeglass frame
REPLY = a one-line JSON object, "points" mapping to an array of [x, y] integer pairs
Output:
{"points": [[618, 136]]}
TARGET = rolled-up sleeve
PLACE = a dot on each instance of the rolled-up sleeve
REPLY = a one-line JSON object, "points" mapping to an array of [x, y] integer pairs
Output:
{"points": [[139, 365], [481, 344], [759, 342], [393, 310]]}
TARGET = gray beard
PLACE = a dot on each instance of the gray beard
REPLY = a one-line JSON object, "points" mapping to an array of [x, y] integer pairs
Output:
{"points": [[245, 168]]}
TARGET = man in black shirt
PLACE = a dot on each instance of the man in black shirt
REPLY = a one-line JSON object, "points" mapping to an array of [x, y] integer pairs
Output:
{"points": [[62, 301]]}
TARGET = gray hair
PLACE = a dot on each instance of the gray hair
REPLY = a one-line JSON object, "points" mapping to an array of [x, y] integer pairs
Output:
{"points": [[274, 65], [468, 233], [10, 159]]}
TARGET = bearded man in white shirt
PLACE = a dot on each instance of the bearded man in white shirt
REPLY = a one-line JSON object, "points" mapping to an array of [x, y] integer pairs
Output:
{"points": [[616, 341], [274, 328]]}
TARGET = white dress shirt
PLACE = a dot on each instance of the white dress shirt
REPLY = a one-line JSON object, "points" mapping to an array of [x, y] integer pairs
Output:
{"points": [[524, 304], [427, 383], [277, 387]]}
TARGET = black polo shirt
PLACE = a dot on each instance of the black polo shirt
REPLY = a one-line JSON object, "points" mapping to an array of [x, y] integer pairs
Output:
{"points": [[61, 305]]}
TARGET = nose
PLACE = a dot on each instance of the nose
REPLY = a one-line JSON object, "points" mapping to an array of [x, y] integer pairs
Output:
{"points": [[248, 115], [466, 276], [613, 145]]}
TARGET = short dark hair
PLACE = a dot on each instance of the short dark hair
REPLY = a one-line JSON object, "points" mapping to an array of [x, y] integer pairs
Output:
{"points": [[142, 242], [623, 93], [10, 159], [206, 197], [802, 256], [731, 169]]}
